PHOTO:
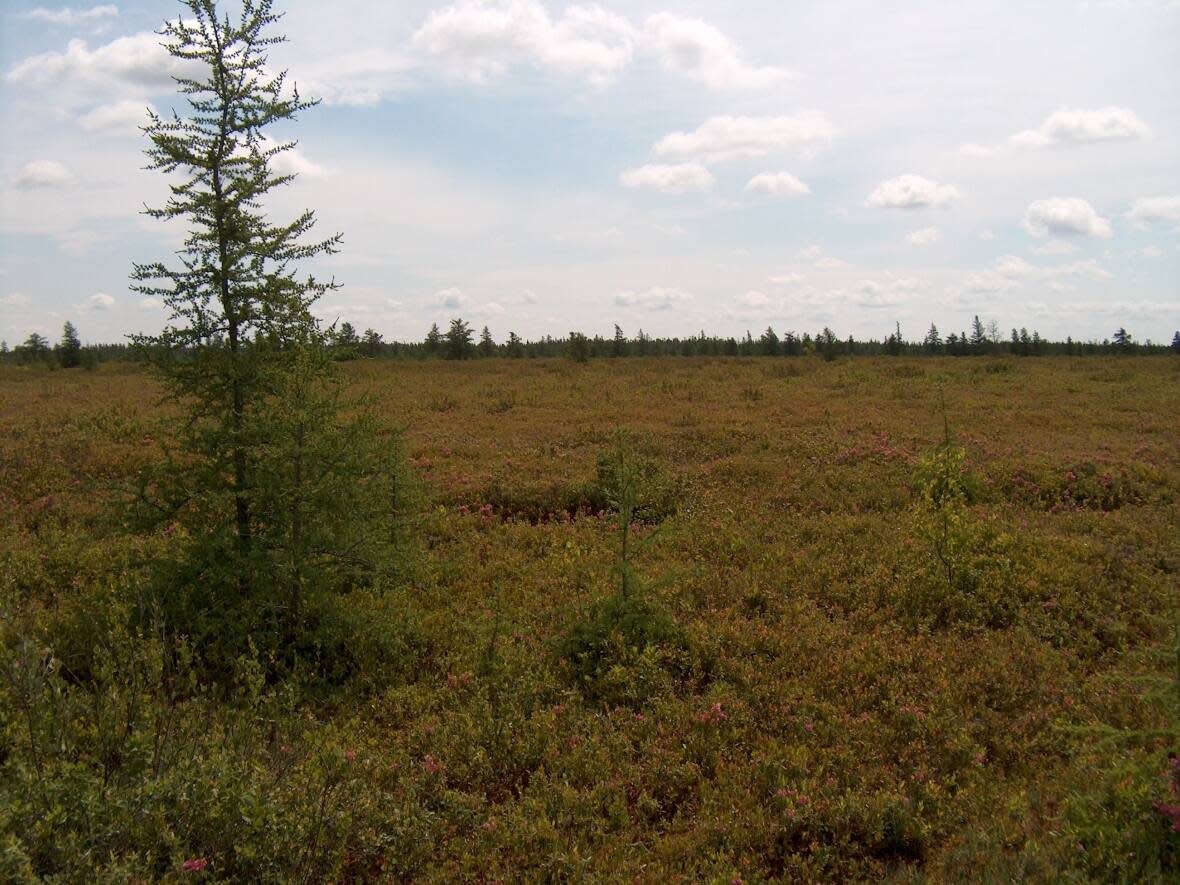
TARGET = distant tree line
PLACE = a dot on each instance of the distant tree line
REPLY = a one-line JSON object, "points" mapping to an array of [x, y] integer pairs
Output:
{"points": [[461, 342], [68, 353]]}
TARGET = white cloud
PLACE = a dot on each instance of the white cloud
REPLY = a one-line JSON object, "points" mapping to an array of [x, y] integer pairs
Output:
{"points": [[16, 299], [480, 39], [676, 178], [1151, 209], [1065, 216], [1089, 268], [488, 309], [101, 301], [875, 294], [807, 253], [978, 151], [70, 16], [985, 282], [912, 192], [754, 299], [449, 299], [1069, 127], [923, 236], [1075, 126], [830, 263], [1152, 251], [698, 50], [657, 298], [137, 61], [483, 39], [1013, 267], [292, 161], [150, 304], [1055, 247], [786, 279], [43, 174], [357, 78], [1011, 271], [730, 138], [119, 118], [778, 184]]}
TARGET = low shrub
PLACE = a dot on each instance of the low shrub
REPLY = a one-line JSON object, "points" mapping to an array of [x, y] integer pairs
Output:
{"points": [[1082, 486], [625, 653]]}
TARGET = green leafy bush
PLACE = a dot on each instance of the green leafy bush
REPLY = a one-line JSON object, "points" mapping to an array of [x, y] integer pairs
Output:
{"points": [[625, 652]]}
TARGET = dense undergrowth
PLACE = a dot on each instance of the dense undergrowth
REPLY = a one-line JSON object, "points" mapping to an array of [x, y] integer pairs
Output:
{"points": [[846, 648]]}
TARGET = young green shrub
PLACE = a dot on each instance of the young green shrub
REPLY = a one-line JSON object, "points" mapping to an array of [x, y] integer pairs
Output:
{"points": [[650, 491], [968, 575], [624, 652]]}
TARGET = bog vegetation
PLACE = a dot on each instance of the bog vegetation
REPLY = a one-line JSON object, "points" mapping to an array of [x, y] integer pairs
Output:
{"points": [[837, 646], [268, 615]]}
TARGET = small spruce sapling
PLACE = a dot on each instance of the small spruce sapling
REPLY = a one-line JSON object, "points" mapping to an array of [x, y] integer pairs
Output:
{"points": [[946, 489], [618, 653]]}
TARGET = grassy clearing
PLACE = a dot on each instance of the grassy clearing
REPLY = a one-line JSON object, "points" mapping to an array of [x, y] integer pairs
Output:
{"points": [[804, 694]]}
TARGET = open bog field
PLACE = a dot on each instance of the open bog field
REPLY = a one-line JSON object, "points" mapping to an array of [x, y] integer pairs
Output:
{"points": [[827, 668]]}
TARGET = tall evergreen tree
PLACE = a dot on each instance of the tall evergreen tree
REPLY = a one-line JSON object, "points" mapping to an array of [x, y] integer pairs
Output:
{"points": [[978, 336], [69, 349], [515, 346], [933, 342], [346, 335], [459, 340], [768, 344], [235, 283], [618, 343], [827, 343], [487, 347], [371, 343], [433, 343], [35, 347], [275, 493], [577, 347]]}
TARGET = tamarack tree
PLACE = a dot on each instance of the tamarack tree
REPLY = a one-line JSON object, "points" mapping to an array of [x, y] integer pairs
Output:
{"points": [[273, 494]]}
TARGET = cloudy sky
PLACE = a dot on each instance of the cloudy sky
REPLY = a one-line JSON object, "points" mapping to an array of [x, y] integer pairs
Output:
{"points": [[539, 167]]}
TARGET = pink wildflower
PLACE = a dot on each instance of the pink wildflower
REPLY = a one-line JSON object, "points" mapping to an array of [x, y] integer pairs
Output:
{"points": [[432, 765], [195, 865], [350, 755], [1171, 812], [713, 716]]}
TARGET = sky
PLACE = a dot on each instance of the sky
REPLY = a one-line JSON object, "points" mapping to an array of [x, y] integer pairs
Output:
{"points": [[541, 167]]}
